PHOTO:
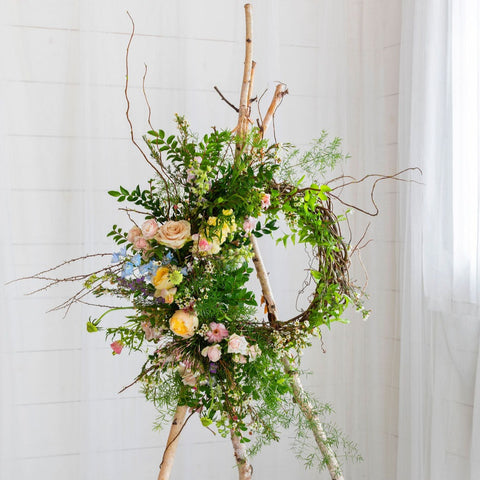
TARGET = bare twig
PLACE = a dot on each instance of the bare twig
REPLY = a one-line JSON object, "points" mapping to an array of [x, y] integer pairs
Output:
{"points": [[127, 114], [146, 98], [225, 100]]}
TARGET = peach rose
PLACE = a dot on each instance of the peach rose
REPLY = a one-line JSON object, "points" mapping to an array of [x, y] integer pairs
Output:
{"points": [[133, 233], [149, 228], [140, 243], [183, 323], [265, 200], [174, 234]]}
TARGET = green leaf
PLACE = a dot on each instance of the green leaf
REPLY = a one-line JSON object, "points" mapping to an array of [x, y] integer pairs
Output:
{"points": [[316, 274], [114, 193]]}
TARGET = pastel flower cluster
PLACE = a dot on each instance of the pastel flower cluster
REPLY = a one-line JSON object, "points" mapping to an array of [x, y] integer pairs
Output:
{"points": [[236, 345]]}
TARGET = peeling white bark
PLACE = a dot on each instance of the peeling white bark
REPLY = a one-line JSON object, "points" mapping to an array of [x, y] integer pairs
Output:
{"points": [[169, 454]]}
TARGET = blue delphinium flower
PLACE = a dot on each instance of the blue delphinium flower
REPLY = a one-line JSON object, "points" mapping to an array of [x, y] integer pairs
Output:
{"points": [[127, 269], [167, 258], [118, 256], [148, 269], [136, 260]]}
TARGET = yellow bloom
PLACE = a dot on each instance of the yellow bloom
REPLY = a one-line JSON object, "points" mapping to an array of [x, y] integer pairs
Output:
{"points": [[183, 323], [161, 280], [227, 212], [212, 221]]}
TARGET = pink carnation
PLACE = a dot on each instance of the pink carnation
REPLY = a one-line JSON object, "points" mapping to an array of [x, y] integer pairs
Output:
{"points": [[204, 245], [117, 347], [217, 332]]}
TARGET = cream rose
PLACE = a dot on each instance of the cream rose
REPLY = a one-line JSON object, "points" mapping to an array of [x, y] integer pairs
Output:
{"points": [[237, 344], [173, 234], [183, 323]]}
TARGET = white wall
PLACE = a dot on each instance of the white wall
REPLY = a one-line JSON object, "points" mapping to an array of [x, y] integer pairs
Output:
{"points": [[65, 142]]}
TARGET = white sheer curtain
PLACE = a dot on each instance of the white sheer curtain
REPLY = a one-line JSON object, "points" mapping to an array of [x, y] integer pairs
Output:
{"points": [[440, 322], [65, 143]]}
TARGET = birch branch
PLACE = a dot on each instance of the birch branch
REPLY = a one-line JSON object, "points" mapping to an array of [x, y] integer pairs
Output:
{"points": [[178, 423], [244, 106], [245, 470], [280, 91], [297, 388]]}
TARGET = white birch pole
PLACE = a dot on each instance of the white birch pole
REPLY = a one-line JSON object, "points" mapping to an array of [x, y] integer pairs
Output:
{"points": [[178, 422], [240, 452], [298, 392]]}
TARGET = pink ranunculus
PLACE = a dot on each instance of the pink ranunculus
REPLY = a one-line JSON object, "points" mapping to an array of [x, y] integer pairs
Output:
{"points": [[214, 352], [117, 347], [133, 234], [266, 200], [149, 228], [237, 344], [249, 224], [217, 332], [204, 245], [140, 243]]}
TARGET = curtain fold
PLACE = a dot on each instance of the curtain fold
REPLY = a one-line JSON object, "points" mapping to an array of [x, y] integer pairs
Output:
{"points": [[439, 275]]}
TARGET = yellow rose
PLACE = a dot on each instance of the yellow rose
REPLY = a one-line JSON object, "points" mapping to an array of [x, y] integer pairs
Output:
{"points": [[161, 280], [174, 234], [183, 323]]}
